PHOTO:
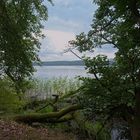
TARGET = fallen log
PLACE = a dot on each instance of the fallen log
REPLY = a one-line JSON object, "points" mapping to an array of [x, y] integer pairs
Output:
{"points": [[60, 116]]}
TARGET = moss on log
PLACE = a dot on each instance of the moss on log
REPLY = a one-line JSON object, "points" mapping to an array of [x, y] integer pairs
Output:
{"points": [[60, 116]]}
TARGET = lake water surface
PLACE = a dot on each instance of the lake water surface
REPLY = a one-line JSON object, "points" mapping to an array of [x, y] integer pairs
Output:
{"points": [[48, 72]]}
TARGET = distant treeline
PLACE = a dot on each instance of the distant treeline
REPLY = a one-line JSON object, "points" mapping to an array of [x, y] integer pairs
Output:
{"points": [[61, 63]]}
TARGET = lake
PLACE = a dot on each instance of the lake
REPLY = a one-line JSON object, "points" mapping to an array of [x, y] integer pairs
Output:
{"points": [[48, 72]]}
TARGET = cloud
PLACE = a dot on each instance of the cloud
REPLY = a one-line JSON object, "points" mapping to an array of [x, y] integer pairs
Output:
{"points": [[67, 18], [66, 25], [70, 15], [54, 44], [108, 54], [58, 39], [65, 3], [107, 50]]}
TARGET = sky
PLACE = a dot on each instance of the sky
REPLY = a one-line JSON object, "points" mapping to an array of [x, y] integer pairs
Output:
{"points": [[67, 18]]}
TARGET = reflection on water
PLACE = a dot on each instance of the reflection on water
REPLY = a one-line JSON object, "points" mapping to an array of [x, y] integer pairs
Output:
{"points": [[48, 72]]}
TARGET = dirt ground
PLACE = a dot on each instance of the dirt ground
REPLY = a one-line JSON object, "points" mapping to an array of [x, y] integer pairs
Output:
{"points": [[10, 130]]}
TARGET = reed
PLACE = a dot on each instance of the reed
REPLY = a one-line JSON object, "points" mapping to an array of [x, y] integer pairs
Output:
{"points": [[61, 86]]}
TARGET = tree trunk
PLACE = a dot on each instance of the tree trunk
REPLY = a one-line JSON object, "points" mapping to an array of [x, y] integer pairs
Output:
{"points": [[136, 121], [51, 117]]}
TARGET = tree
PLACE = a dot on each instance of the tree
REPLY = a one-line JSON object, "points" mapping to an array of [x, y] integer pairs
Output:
{"points": [[115, 89], [20, 31]]}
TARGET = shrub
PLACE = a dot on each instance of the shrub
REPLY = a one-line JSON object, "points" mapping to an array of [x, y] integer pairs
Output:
{"points": [[9, 101]]}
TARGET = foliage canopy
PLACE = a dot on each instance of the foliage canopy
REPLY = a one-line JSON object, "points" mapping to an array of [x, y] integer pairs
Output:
{"points": [[115, 90], [20, 31]]}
